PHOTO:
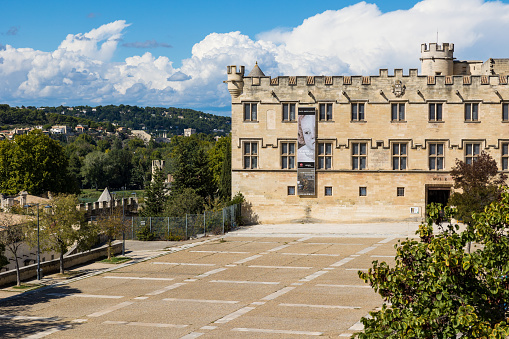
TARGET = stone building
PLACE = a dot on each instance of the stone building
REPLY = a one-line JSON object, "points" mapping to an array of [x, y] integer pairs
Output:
{"points": [[364, 148]]}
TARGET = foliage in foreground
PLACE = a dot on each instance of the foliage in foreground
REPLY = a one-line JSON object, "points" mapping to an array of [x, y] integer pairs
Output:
{"points": [[480, 183], [437, 289]]}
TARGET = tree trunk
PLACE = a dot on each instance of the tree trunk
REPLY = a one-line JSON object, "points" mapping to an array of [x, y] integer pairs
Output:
{"points": [[18, 275], [109, 249], [61, 262]]}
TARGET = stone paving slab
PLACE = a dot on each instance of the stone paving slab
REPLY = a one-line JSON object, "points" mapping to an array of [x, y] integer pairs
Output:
{"points": [[281, 287]]}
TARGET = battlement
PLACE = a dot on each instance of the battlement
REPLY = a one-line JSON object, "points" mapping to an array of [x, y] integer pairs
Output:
{"points": [[233, 70], [434, 47]]}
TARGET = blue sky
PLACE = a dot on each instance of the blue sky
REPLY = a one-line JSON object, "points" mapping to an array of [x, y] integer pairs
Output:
{"points": [[175, 53]]}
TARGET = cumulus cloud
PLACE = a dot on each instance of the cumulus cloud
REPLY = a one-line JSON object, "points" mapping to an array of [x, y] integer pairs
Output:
{"points": [[146, 44], [357, 39]]}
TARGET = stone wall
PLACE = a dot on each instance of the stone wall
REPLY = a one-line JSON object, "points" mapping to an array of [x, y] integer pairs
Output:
{"points": [[53, 266]]}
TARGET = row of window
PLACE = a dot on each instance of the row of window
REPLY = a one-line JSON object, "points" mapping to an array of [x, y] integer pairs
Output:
{"points": [[359, 153], [357, 112], [363, 191]]}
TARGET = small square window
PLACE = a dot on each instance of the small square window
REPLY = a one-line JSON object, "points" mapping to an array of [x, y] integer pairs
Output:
{"points": [[291, 190], [363, 191], [472, 111], [328, 191], [325, 112], [401, 192], [288, 112], [435, 112], [357, 111], [398, 112]]}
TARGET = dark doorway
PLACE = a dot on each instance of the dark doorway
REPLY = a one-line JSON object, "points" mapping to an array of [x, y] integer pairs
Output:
{"points": [[438, 195]]}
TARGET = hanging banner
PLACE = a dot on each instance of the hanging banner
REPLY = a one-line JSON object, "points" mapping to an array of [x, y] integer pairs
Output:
{"points": [[306, 151]]}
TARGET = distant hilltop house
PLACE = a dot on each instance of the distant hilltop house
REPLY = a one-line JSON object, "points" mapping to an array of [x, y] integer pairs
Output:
{"points": [[60, 130], [364, 148], [189, 131], [81, 129]]}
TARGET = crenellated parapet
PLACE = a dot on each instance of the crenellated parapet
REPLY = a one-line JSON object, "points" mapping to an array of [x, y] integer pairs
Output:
{"points": [[382, 88]]}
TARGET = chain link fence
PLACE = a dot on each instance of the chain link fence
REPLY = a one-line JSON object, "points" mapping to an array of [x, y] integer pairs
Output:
{"points": [[185, 227]]}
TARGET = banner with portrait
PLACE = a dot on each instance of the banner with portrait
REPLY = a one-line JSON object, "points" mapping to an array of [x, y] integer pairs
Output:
{"points": [[306, 151]]}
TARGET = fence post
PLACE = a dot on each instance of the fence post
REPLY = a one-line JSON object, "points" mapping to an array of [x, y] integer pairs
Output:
{"points": [[204, 224], [186, 226], [132, 228], [150, 224], [223, 221], [168, 222]]}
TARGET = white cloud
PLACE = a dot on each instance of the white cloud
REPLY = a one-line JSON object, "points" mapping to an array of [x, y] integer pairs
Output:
{"points": [[357, 39]]}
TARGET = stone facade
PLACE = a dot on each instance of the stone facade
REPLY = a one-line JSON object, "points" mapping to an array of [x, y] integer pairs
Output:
{"points": [[412, 129]]}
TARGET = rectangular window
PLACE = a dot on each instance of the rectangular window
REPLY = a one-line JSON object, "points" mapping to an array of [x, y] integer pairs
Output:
{"points": [[325, 155], [328, 191], [287, 155], [472, 151], [358, 111], [325, 112], [400, 191], [288, 112], [472, 111], [398, 112], [250, 155], [399, 156], [359, 155], [363, 191], [505, 157], [436, 157], [435, 112], [291, 190], [505, 112], [250, 111]]}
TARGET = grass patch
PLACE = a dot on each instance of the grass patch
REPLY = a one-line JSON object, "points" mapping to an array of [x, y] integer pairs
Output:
{"points": [[26, 287], [115, 260]]}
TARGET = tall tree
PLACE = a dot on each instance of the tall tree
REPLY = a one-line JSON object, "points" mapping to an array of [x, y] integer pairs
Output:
{"points": [[191, 168], [61, 225], [479, 183], [438, 290], [156, 195], [225, 180]]}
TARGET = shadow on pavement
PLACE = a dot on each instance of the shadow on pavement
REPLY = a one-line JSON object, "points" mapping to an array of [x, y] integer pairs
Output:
{"points": [[15, 311]]}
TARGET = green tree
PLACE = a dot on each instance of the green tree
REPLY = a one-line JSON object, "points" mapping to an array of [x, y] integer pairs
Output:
{"points": [[156, 196], [36, 163], [191, 168], [94, 170], [112, 225], [12, 237], [185, 202], [217, 156], [479, 183], [61, 225], [225, 180], [438, 290]]}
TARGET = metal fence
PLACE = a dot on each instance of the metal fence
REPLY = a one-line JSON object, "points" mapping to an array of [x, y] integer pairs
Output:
{"points": [[185, 227]]}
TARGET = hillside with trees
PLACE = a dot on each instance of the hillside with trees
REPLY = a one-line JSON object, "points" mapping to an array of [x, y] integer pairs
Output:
{"points": [[171, 120]]}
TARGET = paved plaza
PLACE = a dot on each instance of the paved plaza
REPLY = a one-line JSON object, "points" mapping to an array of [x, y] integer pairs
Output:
{"points": [[252, 283]]}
